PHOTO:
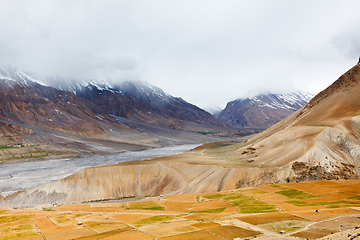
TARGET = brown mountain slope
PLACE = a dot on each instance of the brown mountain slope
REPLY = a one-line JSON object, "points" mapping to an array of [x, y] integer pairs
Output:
{"points": [[340, 99], [10, 133], [319, 141], [43, 106], [147, 104]]}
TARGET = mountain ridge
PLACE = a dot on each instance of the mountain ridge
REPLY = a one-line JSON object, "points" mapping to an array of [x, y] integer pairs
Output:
{"points": [[319, 141], [131, 99], [263, 110], [33, 112]]}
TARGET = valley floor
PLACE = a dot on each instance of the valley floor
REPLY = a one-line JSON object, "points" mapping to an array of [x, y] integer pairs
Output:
{"points": [[23, 175], [306, 210]]}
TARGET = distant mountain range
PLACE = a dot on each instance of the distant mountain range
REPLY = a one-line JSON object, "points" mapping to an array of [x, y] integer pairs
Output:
{"points": [[263, 110], [98, 117], [143, 102], [131, 100], [31, 104]]}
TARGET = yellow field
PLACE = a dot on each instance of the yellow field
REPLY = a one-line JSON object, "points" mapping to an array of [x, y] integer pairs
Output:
{"points": [[307, 210]]}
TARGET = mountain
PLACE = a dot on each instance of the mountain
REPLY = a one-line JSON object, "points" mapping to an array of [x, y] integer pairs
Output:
{"points": [[263, 110], [145, 103], [96, 118], [132, 100], [319, 141], [26, 101], [137, 101]]}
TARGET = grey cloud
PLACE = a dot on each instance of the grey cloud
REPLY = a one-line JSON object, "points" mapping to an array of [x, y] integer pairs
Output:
{"points": [[347, 42], [208, 52]]}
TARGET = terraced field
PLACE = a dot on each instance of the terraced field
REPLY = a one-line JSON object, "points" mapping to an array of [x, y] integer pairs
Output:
{"points": [[19, 152], [307, 210]]}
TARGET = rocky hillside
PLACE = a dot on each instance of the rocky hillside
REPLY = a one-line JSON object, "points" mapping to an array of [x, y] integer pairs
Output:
{"points": [[138, 101], [132, 100], [26, 101], [320, 141], [263, 110]]}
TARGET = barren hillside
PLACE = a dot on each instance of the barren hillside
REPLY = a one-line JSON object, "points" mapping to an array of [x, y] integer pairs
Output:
{"points": [[320, 141]]}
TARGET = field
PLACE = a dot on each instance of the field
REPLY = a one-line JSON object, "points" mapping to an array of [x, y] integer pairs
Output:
{"points": [[308, 210], [20, 152]]}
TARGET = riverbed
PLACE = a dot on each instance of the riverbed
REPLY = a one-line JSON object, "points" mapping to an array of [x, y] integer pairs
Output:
{"points": [[19, 176]]}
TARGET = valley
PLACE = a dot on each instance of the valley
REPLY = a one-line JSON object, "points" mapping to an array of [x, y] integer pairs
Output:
{"points": [[146, 156], [19, 176], [299, 148], [179, 120], [95, 118]]}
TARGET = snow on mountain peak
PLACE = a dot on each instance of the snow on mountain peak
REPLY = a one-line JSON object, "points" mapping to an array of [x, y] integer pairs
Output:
{"points": [[12, 73], [263, 110], [291, 101]]}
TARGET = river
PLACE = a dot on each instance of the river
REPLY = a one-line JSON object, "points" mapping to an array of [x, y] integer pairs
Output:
{"points": [[19, 176]]}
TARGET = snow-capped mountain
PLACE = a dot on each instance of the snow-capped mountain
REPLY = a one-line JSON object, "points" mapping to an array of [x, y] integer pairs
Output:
{"points": [[137, 89], [11, 73], [144, 102], [132, 100], [26, 101], [136, 100], [92, 117], [263, 110]]}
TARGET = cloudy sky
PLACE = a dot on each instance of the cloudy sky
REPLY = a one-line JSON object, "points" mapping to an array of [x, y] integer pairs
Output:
{"points": [[207, 52]]}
